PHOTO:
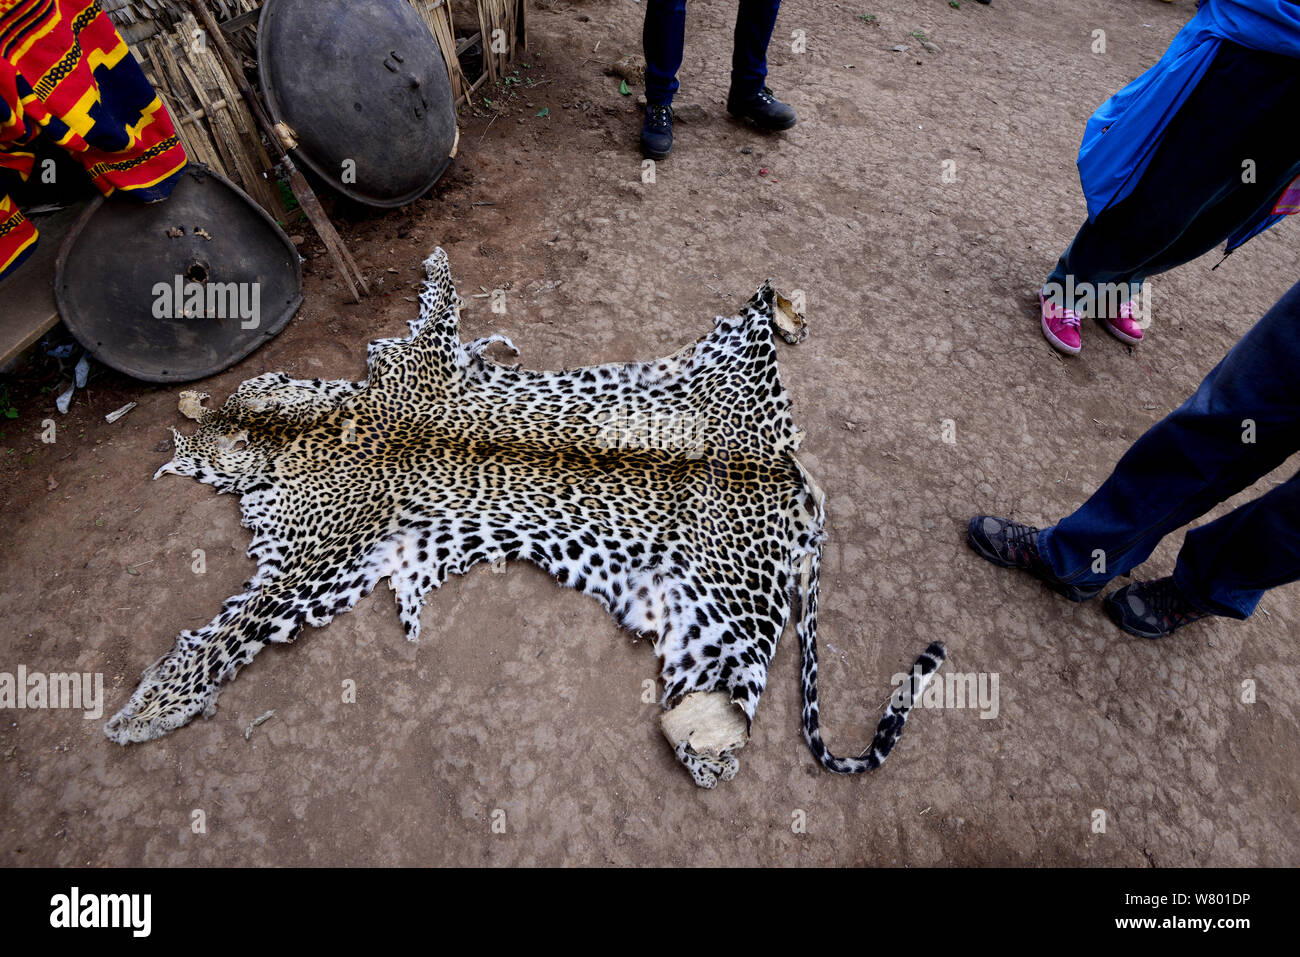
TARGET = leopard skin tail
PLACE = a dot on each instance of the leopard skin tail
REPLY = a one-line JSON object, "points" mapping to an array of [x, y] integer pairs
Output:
{"points": [[891, 724]]}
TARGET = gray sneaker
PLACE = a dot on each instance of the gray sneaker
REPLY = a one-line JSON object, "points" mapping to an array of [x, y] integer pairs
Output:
{"points": [[1151, 609], [1013, 545]]}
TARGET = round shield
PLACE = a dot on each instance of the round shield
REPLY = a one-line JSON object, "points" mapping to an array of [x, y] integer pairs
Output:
{"points": [[364, 89], [180, 289]]}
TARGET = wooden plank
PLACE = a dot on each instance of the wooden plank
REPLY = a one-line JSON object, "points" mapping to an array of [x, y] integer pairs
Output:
{"points": [[28, 294], [243, 20], [232, 126], [194, 136]]}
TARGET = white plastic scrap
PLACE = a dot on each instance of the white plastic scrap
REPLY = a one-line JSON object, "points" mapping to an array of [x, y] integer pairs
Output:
{"points": [[118, 413], [79, 376], [248, 732]]}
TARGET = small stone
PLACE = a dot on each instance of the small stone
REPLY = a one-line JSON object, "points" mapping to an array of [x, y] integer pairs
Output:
{"points": [[900, 48], [297, 240], [747, 150], [690, 113], [932, 47], [51, 483]]}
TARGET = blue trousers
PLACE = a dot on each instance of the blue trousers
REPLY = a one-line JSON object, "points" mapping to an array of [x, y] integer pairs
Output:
{"points": [[1192, 196], [1243, 422], [664, 39]]}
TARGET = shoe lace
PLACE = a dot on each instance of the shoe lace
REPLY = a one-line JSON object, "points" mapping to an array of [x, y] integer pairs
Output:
{"points": [[1168, 604], [1067, 317], [1021, 538], [658, 117], [1128, 311]]}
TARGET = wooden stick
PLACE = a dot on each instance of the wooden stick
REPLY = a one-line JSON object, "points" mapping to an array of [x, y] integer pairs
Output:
{"points": [[343, 260]]}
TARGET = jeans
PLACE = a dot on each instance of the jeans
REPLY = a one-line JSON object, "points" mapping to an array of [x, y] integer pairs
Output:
{"points": [[1192, 196], [664, 38], [1240, 424]]}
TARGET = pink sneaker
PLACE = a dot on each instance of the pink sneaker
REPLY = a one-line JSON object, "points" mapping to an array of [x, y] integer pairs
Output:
{"points": [[1124, 327], [1060, 326]]}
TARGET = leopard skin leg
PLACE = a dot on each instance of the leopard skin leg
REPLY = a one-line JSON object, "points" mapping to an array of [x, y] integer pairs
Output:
{"points": [[706, 769]]}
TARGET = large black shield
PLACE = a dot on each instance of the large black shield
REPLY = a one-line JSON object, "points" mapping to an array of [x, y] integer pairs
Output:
{"points": [[364, 88], [180, 289]]}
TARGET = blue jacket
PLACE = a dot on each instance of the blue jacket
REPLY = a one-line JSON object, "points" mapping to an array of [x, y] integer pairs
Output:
{"points": [[1134, 119]]}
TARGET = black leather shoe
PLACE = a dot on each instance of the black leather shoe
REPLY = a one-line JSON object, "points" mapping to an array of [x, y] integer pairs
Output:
{"points": [[657, 132], [762, 109]]}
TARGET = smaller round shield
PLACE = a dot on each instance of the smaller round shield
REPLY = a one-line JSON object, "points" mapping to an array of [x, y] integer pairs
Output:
{"points": [[180, 289], [365, 90]]}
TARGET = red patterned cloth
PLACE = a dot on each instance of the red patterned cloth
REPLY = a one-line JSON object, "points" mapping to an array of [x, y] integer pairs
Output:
{"points": [[1288, 204], [66, 74]]}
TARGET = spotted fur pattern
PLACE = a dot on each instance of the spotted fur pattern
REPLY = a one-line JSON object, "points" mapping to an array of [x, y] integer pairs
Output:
{"points": [[669, 490]]}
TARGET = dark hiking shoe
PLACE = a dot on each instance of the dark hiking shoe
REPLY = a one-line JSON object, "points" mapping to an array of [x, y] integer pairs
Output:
{"points": [[762, 109], [1151, 609], [1012, 545], [657, 132]]}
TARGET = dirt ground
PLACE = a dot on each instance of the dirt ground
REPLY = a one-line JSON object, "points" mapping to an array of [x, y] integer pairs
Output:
{"points": [[523, 704]]}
